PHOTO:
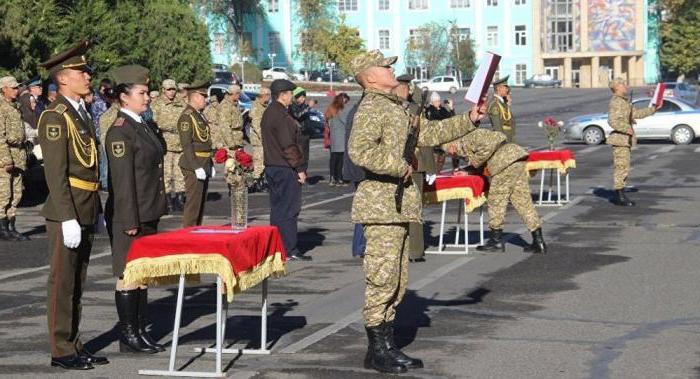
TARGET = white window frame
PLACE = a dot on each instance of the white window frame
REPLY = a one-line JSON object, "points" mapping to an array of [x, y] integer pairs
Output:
{"points": [[384, 40], [492, 36], [273, 6], [347, 5], [418, 5], [463, 36], [274, 47], [385, 3], [460, 4], [520, 73], [520, 35]]}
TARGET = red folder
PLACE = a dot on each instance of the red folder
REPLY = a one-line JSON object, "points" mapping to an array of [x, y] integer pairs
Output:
{"points": [[482, 78], [658, 97]]}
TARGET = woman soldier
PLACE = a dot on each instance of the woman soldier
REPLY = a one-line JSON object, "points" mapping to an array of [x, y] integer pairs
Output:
{"points": [[136, 199]]}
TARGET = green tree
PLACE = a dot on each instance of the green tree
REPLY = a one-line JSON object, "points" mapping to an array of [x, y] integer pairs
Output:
{"points": [[462, 54], [235, 12], [317, 24], [430, 48], [680, 32], [342, 45]]}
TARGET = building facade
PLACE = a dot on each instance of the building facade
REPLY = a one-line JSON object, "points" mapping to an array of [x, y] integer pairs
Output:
{"points": [[581, 42]]}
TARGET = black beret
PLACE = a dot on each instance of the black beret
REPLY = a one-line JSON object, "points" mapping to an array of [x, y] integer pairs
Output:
{"points": [[281, 85]]}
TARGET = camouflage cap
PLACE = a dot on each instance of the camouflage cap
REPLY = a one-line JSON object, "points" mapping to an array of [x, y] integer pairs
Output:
{"points": [[372, 58], [182, 86], [8, 81], [154, 94], [168, 84], [617, 81]]}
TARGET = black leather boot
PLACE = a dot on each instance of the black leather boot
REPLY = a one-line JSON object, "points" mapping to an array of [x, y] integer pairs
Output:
{"points": [[17, 235], [495, 242], [129, 338], [144, 321], [622, 200], [378, 356], [538, 246], [170, 197], [180, 202], [5, 234], [399, 356]]}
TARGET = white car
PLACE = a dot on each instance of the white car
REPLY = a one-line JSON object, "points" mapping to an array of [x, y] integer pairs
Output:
{"points": [[441, 84], [681, 91], [676, 120], [274, 73]]}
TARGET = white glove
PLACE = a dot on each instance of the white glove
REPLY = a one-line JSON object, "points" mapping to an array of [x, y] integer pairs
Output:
{"points": [[201, 175], [213, 171], [100, 224], [430, 178], [71, 233]]}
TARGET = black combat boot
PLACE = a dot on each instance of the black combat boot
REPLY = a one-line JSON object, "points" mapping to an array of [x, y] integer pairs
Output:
{"points": [[495, 242], [130, 340], [378, 356], [170, 197], [13, 231], [623, 200], [144, 321], [5, 234], [180, 202], [538, 246], [399, 356]]}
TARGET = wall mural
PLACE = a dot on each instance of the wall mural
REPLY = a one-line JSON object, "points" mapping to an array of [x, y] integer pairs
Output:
{"points": [[611, 25]]}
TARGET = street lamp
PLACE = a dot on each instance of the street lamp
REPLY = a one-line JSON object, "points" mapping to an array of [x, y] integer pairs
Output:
{"points": [[331, 67], [272, 59], [243, 61]]}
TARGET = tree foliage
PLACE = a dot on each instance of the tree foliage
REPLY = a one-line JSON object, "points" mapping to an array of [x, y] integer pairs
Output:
{"points": [[680, 33], [429, 48], [235, 13], [165, 36]]}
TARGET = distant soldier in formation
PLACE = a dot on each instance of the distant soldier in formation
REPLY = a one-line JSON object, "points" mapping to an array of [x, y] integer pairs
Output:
{"points": [[195, 162], [13, 159], [255, 136], [73, 206], [508, 183], [230, 131], [500, 112], [621, 117], [182, 92], [379, 134], [167, 109]]}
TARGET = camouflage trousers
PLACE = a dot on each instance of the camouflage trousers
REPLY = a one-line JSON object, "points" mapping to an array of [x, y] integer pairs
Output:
{"points": [[512, 185], [11, 188], [621, 166], [258, 161], [172, 174], [386, 271]]}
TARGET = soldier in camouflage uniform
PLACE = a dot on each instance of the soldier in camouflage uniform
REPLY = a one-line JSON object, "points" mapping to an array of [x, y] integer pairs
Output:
{"points": [[509, 182], [621, 117], [499, 109], [167, 108], [182, 92], [380, 130], [259, 106], [13, 159], [107, 119], [230, 130]]}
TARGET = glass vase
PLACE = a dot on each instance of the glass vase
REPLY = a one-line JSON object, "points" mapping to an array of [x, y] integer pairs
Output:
{"points": [[239, 207]]}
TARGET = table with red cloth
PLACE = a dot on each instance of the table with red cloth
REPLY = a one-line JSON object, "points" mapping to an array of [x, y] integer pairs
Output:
{"points": [[556, 162], [240, 259], [470, 190]]}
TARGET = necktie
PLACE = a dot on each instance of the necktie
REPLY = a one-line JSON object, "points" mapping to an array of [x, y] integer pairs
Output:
{"points": [[84, 115]]}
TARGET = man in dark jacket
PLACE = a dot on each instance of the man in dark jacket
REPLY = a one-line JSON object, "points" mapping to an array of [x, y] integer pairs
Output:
{"points": [[285, 168], [299, 110]]}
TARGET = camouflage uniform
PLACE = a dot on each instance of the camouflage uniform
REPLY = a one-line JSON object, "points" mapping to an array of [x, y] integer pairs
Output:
{"points": [[12, 152], [107, 119], [256, 137], [621, 117], [230, 126], [509, 180], [379, 133], [165, 114], [502, 118]]}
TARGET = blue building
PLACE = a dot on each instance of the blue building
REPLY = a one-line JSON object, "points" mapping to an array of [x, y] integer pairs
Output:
{"points": [[568, 39]]}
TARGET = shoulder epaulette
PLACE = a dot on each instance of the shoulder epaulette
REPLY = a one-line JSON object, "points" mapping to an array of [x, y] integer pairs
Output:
{"points": [[60, 108], [118, 122]]}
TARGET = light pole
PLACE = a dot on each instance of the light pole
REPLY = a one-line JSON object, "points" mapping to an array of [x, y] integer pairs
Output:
{"points": [[272, 59], [331, 67], [243, 62]]}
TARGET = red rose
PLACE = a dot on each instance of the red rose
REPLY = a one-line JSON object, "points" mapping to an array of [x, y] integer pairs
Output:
{"points": [[220, 156], [244, 159]]}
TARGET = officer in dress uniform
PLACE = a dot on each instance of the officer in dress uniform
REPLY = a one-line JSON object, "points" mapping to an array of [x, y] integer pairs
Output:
{"points": [[195, 161], [136, 199], [73, 206], [499, 109]]}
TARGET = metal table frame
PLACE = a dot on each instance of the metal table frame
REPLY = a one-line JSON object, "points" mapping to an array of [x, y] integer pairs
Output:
{"points": [[221, 317], [462, 209], [559, 201]]}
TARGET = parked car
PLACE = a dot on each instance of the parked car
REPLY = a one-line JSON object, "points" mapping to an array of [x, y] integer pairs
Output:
{"points": [[681, 91], [224, 77], [245, 103], [441, 84], [316, 121], [274, 73], [676, 120], [338, 77], [542, 81]]}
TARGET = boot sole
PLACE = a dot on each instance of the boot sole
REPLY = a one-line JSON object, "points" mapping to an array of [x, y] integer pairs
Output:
{"points": [[124, 348], [54, 364], [398, 370]]}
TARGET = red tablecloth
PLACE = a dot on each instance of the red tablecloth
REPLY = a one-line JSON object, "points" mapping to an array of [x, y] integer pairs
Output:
{"points": [[448, 187], [242, 259], [563, 160]]}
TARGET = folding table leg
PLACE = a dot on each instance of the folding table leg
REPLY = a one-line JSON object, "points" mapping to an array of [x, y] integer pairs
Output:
{"points": [[558, 187], [542, 186], [466, 229], [442, 226], [459, 216], [549, 191], [481, 225], [176, 327], [219, 323], [567, 186], [263, 317]]}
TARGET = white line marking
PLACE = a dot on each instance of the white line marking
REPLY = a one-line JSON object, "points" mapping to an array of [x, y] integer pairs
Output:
{"points": [[665, 149], [590, 149], [108, 251], [651, 158], [697, 150]]}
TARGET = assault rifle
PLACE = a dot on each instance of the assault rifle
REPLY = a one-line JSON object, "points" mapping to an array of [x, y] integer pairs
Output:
{"points": [[411, 142]]}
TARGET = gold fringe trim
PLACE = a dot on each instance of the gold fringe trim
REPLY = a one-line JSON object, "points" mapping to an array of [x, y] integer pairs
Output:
{"points": [[467, 194], [167, 270], [563, 167]]}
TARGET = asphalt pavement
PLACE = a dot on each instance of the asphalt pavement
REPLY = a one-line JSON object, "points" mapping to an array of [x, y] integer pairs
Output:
{"points": [[616, 297]]}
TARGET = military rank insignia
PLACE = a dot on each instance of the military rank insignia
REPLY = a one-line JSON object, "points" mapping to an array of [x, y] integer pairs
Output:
{"points": [[184, 126], [53, 132], [118, 149]]}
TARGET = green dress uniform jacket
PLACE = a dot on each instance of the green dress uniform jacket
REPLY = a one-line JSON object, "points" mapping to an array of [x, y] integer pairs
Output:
{"points": [[195, 138], [501, 118]]}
